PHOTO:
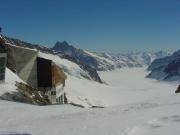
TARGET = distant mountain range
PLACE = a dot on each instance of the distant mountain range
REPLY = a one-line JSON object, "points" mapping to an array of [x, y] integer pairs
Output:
{"points": [[106, 61], [167, 68]]}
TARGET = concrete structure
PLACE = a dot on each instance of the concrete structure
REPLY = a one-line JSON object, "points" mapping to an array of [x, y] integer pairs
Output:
{"points": [[2, 66], [22, 61], [25, 64]]}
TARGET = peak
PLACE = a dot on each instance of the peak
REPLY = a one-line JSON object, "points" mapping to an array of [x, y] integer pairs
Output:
{"points": [[62, 46], [63, 43]]}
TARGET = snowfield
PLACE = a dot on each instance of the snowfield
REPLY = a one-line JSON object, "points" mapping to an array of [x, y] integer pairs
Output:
{"points": [[134, 105], [9, 84]]}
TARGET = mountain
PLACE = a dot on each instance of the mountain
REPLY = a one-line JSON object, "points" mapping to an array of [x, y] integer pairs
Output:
{"points": [[78, 54], [106, 61], [167, 68]]}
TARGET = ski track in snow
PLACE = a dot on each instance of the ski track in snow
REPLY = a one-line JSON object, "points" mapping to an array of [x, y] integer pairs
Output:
{"points": [[135, 106]]}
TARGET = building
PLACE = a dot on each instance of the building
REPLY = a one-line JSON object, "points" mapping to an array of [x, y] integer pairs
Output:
{"points": [[51, 79], [2, 66], [39, 73]]}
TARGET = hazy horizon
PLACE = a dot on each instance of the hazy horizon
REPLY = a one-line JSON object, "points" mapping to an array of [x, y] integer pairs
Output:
{"points": [[115, 26]]}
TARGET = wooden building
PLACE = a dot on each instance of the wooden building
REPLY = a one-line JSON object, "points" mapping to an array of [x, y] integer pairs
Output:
{"points": [[51, 79]]}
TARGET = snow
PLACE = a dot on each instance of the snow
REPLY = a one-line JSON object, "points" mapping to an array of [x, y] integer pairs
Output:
{"points": [[98, 57], [134, 104], [125, 86], [9, 84]]}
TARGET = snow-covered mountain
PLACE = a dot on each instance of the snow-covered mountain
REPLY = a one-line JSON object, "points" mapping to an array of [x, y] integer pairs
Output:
{"points": [[167, 68], [105, 61]]}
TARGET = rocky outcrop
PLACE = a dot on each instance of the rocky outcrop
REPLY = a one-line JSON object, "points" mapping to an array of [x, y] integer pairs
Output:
{"points": [[91, 71], [33, 95], [26, 94], [167, 68], [178, 89], [78, 54]]}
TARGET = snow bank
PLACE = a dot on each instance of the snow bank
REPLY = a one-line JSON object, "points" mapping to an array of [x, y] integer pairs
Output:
{"points": [[9, 84]]}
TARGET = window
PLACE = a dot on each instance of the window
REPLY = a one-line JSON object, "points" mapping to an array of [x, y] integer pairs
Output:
{"points": [[53, 92]]}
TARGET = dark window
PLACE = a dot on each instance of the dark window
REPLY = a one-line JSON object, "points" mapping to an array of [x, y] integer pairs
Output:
{"points": [[44, 72], [2, 68], [53, 92], [2, 61]]}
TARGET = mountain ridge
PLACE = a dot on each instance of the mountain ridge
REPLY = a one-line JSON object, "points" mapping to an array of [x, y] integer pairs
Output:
{"points": [[107, 61]]}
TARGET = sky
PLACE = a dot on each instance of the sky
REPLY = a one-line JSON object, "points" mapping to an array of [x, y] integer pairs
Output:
{"points": [[95, 25]]}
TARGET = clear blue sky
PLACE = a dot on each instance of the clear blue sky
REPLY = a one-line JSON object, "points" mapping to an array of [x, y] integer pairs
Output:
{"points": [[96, 25]]}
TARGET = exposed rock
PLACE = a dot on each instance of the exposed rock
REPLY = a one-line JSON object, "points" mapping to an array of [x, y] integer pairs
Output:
{"points": [[178, 89], [78, 54], [167, 68], [35, 96], [91, 71]]}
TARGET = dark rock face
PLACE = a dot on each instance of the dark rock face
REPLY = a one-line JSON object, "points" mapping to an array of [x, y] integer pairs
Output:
{"points": [[91, 71], [178, 89], [167, 68], [78, 54], [173, 68]]}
